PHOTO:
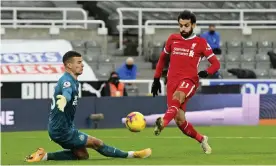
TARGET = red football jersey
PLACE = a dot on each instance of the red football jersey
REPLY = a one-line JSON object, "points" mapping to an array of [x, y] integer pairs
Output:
{"points": [[185, 56]]}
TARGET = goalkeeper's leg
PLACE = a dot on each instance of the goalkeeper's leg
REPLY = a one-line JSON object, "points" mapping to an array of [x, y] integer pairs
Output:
{"points": [[78, 144], [100, 147], [110, 151]]}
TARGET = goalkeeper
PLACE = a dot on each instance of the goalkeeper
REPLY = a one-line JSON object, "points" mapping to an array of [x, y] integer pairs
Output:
{"points": [[61, 127]]}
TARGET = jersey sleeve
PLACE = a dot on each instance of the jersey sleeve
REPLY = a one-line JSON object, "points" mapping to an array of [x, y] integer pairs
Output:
{"points": [[162, 59], [167, 48], [67, 89], [206, 49], [210, 56]]}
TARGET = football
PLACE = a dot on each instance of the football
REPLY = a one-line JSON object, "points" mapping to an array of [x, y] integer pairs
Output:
{"points": [[135, 122]]}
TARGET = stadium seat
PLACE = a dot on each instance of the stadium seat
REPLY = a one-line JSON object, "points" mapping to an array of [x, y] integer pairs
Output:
{"points": [[79, 46], [261, 73], [264, 47], [203, 65], [263, 65], [223, 47], [210, 4], [249, 51], [272, 73], [156, 53], [93, 52], [262, 57], [32, 14], [93, 48], [222, 65], [92, 44], [27, 4], [6, 15], [221, 58], [233, 57], [231, 65], [227, 75], [104, 71], [248, 57], [234, 48], [248, 65]]}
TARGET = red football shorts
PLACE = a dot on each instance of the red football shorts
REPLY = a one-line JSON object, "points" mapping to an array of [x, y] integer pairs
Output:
{"points": [[187, 86]]}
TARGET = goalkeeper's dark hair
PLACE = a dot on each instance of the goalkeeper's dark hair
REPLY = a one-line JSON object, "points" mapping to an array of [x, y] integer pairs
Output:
{"points": [[70, 54], [187, 15]]}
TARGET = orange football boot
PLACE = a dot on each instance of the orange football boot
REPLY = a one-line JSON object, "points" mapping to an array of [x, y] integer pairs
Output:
{"points": [[142, 153], [36, 156]]}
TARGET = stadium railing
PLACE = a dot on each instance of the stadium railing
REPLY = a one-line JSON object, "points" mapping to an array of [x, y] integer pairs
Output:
{"points": [[149, 82], [241, 22], [64, 23]]}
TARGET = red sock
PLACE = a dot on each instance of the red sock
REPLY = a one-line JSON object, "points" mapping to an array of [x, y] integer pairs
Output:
{"points": [[188, 129], [171, 112]]}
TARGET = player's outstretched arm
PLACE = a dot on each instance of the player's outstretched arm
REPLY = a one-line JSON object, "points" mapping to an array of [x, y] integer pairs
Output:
{"points": [[156, 86]]}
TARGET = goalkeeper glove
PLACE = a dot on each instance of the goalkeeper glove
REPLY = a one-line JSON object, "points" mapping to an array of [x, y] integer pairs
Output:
{"points": [[203, 74], [156, 86], [61, 102]]}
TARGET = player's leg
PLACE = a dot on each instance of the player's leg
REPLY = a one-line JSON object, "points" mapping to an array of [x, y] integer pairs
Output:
{"points": [[42, 155], [110, 151], [83, 140], [78, 143], [72, 154], [73, 142], [174, 100], [187, 128], [66, 154]]}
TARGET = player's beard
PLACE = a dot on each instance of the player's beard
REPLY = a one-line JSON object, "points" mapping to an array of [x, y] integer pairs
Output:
{"points": [[79, 73], [186, 35]]}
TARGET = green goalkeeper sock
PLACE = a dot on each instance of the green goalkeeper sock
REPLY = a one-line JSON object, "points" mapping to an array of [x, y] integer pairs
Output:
{"points": [[109, 151], [61, 155]]}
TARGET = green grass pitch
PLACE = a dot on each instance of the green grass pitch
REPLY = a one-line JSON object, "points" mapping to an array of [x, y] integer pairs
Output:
{"points": [[231, 145]]}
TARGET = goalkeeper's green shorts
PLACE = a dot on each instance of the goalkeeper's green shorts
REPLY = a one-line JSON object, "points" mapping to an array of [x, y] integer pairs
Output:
{"points": [[74, 139]]}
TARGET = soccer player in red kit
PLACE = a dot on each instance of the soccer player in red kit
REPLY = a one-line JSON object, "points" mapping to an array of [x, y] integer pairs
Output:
{"points": [[186, 51]]}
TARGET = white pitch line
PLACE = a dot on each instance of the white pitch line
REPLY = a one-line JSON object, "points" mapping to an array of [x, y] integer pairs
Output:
{"points": [[169, 137], [185, 137]]}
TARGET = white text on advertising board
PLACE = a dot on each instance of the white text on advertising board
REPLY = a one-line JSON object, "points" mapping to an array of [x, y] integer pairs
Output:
{"points": [[259, 88], [39, 90], [7, 118], [31, 63], [250, 86]]}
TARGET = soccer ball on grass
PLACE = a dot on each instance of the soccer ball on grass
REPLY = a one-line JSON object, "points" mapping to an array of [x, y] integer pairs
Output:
{"points": [[135, 122]]}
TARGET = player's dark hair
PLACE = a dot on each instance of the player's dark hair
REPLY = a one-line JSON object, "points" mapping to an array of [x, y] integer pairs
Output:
{"points": [[187, 15], [70, 54]]}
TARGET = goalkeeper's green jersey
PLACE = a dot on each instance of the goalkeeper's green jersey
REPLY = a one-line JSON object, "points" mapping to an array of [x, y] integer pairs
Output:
{"points": [[63, 122]]}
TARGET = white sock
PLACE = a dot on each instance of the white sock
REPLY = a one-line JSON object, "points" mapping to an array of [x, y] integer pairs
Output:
{"points": [[130, 154], [45, 157]]}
